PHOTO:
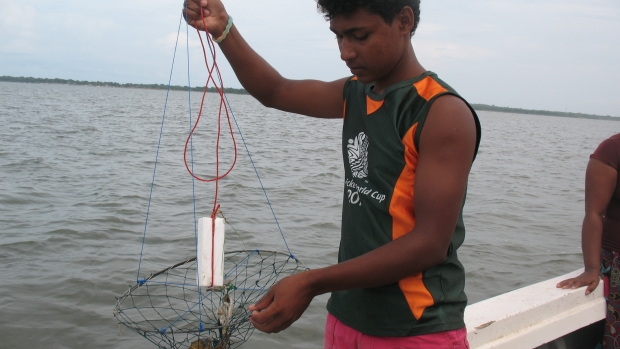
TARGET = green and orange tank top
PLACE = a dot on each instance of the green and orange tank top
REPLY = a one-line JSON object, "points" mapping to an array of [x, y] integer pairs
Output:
{"points": [[380, 150]]}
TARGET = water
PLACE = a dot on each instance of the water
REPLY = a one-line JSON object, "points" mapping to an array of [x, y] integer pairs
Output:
{"points": [[76, 165]]}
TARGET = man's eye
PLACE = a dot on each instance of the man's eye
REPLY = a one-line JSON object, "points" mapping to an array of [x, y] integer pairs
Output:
{"points": [[361, 38]]}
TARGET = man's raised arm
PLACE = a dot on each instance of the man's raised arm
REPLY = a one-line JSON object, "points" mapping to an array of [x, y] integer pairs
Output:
{"points": [[261, 80]]}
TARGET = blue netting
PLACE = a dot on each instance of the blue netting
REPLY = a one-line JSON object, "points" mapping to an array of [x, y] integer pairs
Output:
{"points": [[171, 311]]}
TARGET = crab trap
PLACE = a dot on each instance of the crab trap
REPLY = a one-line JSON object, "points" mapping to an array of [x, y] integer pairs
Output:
{"points": [[169, 309]]}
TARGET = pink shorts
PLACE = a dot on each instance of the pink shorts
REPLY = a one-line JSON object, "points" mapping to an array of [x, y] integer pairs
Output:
{"points": [[341, 336]]}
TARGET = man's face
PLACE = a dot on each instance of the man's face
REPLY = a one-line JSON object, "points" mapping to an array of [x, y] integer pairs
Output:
{"points": [[370, 47]]}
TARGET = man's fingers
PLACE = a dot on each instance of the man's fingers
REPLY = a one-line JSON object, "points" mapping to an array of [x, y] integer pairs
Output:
{"points": [[264, 316], [263, 326], [571, 283], [578, 282], [191, 10], [273, 325], [189, 14], [561, 284], [263, 311], [566, 284], [264, 321], [592, 286], [191, 7], [263, 302]]}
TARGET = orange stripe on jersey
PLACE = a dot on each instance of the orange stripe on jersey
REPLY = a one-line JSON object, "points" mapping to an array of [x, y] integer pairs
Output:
{"points": [[418, 297], [401, 206], [403, 221], [428, 88], [344, 109], [372, 105], [354, 78]]}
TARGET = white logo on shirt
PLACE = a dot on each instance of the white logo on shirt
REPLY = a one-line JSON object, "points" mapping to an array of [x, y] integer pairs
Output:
{"points": [[358, 155]]}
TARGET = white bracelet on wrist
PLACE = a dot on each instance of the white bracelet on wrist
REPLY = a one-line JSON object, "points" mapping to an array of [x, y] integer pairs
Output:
{"points": [[223, 36]]}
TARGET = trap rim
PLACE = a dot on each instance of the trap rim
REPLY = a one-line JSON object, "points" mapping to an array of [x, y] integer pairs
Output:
{"points": [[143, 282]]}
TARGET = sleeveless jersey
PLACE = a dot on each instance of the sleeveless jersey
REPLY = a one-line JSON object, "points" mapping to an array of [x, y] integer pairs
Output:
{"points": [[379, 144]]}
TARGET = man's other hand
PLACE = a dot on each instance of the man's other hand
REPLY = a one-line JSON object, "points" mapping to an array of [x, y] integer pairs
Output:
{"points": [[215, 15], [588, 278], [283, 304]]}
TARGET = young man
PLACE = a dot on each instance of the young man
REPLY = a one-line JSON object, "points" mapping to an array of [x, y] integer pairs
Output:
{"points": [[408, 144]]}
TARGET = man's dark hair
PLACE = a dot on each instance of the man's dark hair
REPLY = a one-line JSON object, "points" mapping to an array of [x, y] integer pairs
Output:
{"points": [[387, 9]]}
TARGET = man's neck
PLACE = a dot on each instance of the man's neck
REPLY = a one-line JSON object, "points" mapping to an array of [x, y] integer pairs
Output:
{"points": [[407, 68]]}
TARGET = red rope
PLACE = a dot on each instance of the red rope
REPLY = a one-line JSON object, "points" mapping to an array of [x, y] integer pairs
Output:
{"points": [[220, 90]]}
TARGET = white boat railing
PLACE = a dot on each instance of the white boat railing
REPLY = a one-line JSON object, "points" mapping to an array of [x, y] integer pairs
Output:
{"points": [[532, 316]]}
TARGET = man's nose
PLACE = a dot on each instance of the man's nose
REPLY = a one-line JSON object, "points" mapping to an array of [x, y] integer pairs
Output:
{"points": [[347, 53]]}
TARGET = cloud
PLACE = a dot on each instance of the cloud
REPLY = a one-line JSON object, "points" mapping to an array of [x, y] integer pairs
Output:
{"points": [[489, 49], [432, 49], [168, 41], [599, 9], [18, 31]]}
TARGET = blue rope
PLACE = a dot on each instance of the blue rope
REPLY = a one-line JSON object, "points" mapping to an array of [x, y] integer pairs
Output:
{"points": [[252, 161], [253, 166], [191, 152], [244, 261], [181, 316], [258, 176], [161, 131]]}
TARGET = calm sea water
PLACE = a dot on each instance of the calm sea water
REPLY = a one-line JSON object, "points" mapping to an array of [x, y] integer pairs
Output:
{"points": [[76, 165]]}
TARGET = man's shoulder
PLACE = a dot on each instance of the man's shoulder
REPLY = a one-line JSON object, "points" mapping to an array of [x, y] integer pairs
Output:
{"points": [[452, 105], [449, 112], [450, 123]]}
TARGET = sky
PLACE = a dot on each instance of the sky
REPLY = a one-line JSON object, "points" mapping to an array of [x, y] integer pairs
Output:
{"points": [[559, 55]]}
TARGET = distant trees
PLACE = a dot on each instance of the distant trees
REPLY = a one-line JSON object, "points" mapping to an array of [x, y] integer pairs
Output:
{"points": [[542, 112], [241, 91], [114, 84]]}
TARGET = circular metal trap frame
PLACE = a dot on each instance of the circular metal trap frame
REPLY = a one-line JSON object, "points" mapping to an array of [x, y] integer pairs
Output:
{"points": [[170, 310]]}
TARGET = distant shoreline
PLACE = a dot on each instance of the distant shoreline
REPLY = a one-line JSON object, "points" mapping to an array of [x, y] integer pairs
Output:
{"points": [[486, 107], [479, 107], [30, 80]]}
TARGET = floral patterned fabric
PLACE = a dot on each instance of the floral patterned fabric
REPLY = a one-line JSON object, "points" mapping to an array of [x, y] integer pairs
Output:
{"points": [[610, 268]]}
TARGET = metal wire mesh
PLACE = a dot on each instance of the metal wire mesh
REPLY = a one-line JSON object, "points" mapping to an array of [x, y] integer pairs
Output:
{"points": [[171, 311]]}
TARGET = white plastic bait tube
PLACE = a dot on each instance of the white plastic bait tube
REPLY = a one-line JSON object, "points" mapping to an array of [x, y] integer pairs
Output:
{"points": [[210, 249]]}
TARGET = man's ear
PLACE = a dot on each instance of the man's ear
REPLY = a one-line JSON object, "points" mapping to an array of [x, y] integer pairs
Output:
{"points": [[406, 20]]}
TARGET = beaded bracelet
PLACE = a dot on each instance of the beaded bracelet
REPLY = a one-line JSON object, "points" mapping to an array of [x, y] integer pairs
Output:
{"points": [[223, 36]]}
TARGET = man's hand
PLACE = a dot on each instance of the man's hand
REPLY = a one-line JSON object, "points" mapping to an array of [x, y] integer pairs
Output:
{"points": [[588, 278], [215, 15], [283, 304]]}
